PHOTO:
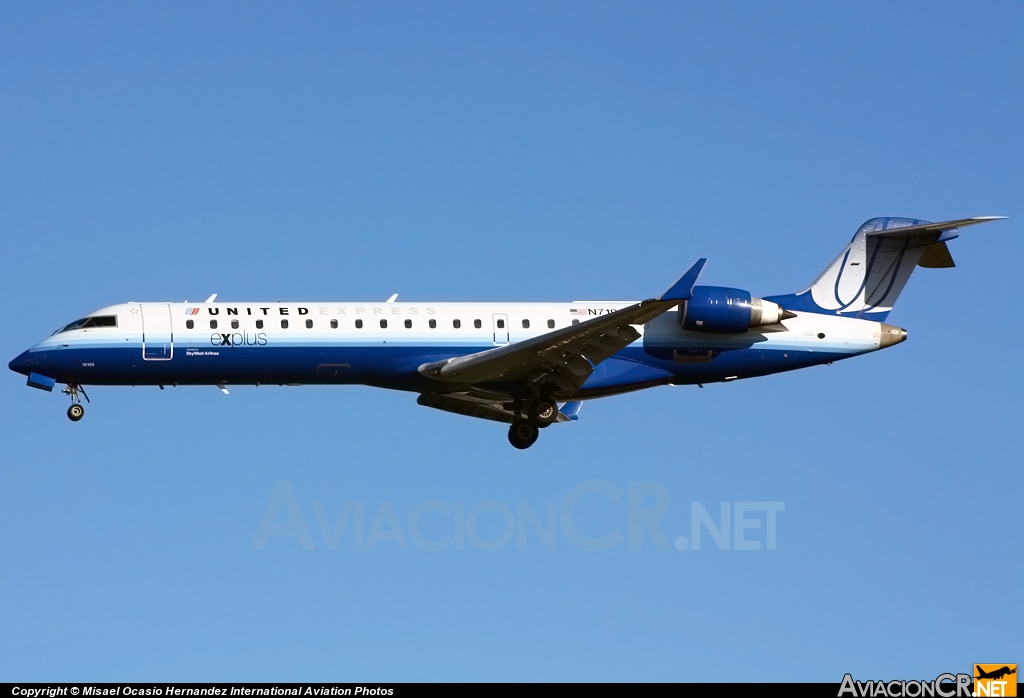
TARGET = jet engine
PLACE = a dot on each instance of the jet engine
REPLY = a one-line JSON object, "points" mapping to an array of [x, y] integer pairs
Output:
{"points": [[727, 311]]}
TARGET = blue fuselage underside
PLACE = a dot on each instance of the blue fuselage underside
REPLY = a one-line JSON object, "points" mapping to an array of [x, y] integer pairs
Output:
{"points": [[392, 367]]}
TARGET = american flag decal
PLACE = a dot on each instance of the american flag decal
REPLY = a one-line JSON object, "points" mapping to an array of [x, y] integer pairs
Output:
{"points": [[579, 311]]}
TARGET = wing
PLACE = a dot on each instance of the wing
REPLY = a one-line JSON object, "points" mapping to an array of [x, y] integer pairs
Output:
{"points": [[466, 405], [482, 408], [565, 357]]}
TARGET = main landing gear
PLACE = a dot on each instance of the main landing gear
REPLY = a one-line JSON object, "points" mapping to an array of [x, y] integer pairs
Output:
{"points": [[538, 414], [522, 434], [542, 412], [77, 410]]}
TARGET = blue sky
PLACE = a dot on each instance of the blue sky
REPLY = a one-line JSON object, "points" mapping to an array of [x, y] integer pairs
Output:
{"points": [[528, 151]]}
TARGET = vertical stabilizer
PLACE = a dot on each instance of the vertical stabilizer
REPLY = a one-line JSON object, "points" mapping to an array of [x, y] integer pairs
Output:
{"points": [[868, 275]]}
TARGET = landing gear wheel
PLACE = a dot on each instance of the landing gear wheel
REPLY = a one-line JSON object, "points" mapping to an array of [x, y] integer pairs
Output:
{"points": [[542, 412], [522, 434], [76, 411]]}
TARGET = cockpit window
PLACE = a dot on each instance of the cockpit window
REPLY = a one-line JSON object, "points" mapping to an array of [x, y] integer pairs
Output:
{"points": [[90, 322]]}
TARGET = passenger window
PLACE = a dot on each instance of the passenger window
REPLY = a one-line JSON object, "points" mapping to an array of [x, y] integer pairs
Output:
{"points": [[551, 324], [284, 324], [383, 324], [526, 324], [477, 324], [234, 324], [408, 324], [433, 324], [259, 324], [189, 324], [575, 322], [456, 324], [213, 324], [359, 324], [309, 324], [501, 324], [334, 324]]}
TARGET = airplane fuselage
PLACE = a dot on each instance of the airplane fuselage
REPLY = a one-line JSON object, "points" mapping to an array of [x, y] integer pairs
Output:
{"points": [[529, 365], [384, 344]]}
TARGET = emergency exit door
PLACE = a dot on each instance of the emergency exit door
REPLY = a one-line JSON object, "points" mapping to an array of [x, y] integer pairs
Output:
{"points": [[500, 321]]}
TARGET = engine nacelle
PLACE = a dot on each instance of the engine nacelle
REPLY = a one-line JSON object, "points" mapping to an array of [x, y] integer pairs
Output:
{"points": [[727, 311]]}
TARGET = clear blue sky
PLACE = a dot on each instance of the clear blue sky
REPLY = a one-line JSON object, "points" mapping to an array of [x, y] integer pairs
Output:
{"points": [[516, 151]]}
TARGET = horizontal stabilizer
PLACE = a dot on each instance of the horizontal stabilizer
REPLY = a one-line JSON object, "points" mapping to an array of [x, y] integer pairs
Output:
{"points": [[924, 228]]}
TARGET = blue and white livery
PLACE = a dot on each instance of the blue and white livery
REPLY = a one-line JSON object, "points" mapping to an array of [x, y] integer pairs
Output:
{"points": [[526, 364]]}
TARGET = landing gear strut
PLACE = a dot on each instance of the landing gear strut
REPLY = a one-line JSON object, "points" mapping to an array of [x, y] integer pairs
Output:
{"points": [[76, 411], [530, 417], [522, 434]]}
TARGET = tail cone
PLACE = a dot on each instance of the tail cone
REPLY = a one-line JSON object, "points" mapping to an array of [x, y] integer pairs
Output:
{"points": [[891, 335]]}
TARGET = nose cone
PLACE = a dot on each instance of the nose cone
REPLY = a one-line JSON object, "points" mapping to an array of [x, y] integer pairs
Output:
{"points": [[891, 335], [21, 364]]}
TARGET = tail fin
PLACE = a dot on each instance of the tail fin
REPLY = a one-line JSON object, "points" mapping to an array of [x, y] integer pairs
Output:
{"points": [[867, 277]]}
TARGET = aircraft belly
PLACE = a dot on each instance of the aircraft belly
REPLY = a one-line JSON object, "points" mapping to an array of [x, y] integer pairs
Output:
{"points": [[392, 367], [714, 367], [749, 363], [622, 372]]}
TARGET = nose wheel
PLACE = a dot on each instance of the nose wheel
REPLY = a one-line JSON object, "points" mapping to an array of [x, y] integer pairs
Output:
{"points": [[77, 410]]}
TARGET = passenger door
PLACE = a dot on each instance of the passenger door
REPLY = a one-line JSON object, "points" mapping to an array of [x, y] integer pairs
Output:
{"points": [[157, 335]]}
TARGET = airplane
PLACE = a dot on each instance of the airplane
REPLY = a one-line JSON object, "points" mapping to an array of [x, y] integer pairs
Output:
{"points": [[528, 365], [996, 674]]}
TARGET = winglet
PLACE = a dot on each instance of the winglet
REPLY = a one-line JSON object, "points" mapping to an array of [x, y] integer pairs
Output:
{"points": [[683, 289]]}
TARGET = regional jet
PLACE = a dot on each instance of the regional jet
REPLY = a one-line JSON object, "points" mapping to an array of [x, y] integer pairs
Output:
{"points": [[529, 365]]}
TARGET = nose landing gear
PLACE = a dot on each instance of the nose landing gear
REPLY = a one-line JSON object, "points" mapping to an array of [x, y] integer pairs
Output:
{"points": [[76, 411]]}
